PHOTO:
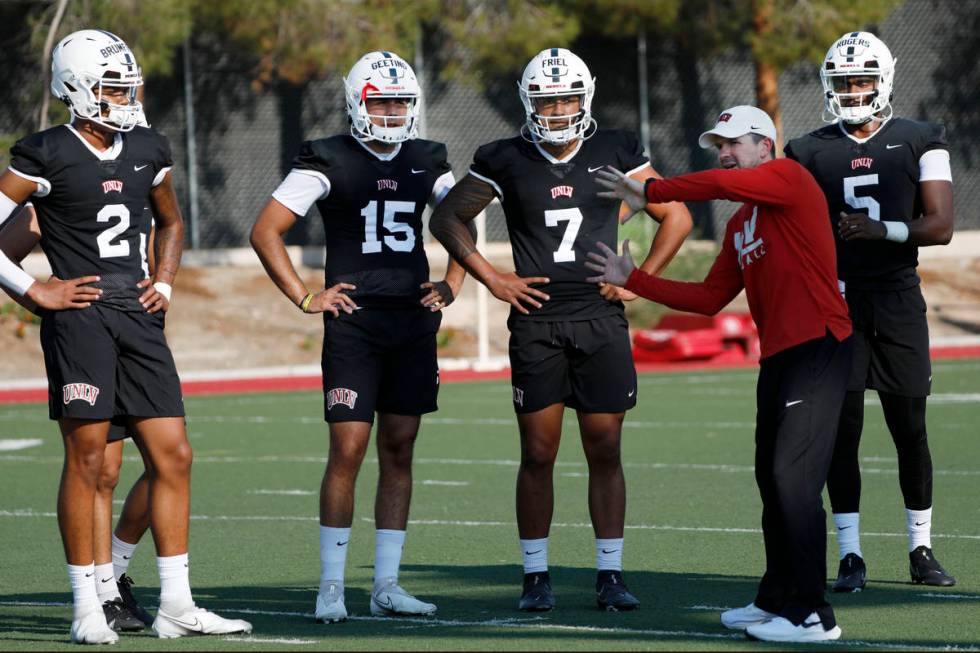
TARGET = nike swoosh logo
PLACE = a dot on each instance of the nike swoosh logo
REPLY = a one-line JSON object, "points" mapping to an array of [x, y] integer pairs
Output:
{"points": [[920, 523], [342, 543], [631, 393], [106, 580], [752, 127], [892, 147], [89, 575], [841, 528], [591, 169], [138, 168], [190, 625], [793, 403], [417, 172], [811, 624], [610, 550], [531, 553], [386, 605], [127, 557]]}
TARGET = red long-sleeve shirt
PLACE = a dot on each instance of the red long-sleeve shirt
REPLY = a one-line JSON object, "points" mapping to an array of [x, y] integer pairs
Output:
{"points": [[778, 246]]}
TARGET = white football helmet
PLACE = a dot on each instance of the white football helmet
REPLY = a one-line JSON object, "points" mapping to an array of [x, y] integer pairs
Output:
{"points": [[85, 62], [382, 74], [857, 53], [557, 72]]}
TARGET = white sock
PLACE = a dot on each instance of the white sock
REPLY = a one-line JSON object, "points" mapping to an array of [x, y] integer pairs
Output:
{"points": [[105, 583], [919, 525], [535, 554], [175, 584], [121, 553], [388, 546], [848, 533], [84, 597], [609, 554], [333, 555]]}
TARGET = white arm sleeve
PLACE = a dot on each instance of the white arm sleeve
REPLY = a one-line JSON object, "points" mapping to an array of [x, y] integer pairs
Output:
{"points": [[43, 185], [441, 188], [934, 166], [301, 189], [11, 276], [160, 177]]}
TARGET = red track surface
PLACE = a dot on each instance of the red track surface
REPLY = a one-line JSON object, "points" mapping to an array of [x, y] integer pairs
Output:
{"points": [[293, 383]]}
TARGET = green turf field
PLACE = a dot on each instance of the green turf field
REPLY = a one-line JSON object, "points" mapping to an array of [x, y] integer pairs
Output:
{"points": [[693, 546]]}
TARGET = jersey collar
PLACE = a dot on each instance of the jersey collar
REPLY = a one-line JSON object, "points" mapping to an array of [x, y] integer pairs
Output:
{"points": [[881, 128], [109, 155], [381, 157], [553, 160]]}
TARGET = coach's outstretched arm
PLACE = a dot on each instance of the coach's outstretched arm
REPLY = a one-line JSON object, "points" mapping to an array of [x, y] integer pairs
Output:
{"points": [[452, 225]]}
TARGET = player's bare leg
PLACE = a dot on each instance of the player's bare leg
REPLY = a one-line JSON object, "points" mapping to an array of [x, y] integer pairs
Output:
{"points": [[540, 438], [348, 444], [84, 442], [601, 437], [396, 441], [133, 523], [163, 441]]}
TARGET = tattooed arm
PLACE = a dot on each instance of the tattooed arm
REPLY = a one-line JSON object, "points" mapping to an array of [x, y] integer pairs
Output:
{"points": [[168, 243], [451, 225]]}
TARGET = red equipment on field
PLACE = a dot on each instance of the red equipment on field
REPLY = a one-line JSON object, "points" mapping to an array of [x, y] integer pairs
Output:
{"points": [[678, 337]]}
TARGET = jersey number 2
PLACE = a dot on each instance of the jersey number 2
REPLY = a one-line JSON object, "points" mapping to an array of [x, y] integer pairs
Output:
{"points": [[857, 203], [107, 248], [565, 252], [371, 244]]}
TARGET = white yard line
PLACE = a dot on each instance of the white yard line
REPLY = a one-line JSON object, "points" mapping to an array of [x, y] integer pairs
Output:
{"points": [[17, 444]]}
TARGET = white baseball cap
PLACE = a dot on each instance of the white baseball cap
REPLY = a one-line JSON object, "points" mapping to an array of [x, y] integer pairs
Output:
{"points": [[739, 121]]}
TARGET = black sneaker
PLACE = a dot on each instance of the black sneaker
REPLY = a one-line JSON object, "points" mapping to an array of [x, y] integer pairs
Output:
{"points": [[119, 618], [611, 593], [125, 585], [537, 596], [852, 574], [926, 570]]}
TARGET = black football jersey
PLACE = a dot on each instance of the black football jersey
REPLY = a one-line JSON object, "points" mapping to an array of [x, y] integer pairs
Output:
{"points": [[93, 221], [372, 215], [880, 177], [554, 217]]}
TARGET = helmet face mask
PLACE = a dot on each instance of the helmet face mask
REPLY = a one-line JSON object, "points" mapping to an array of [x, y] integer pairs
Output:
{"points": [[382, 76], [91, 71], [857, 76], [551, 79]]}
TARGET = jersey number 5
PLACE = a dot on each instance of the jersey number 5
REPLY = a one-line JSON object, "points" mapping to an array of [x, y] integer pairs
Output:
{"points": [[857, 203], [564, 253], [371, 244]]}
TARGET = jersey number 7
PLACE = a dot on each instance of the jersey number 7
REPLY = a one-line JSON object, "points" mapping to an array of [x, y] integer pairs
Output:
{"points": [[565, 252]]}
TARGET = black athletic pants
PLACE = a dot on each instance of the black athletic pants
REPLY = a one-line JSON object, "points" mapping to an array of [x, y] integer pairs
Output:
{"points": [[799, 397]]}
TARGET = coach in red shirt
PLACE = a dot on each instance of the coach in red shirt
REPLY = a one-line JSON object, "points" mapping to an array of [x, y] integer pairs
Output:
{"points": [[780, 248]]}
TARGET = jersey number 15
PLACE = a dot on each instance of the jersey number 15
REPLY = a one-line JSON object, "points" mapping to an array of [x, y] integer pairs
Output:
{"points": [[371, 244]]}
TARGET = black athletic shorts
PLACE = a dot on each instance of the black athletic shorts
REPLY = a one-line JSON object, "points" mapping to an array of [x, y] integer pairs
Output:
{"points": [[380, 359], [103, 363], [891, 342], [585, 364]]}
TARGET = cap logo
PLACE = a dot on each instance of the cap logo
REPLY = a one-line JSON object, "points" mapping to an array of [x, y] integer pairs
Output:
{"points": [[725, 117]]}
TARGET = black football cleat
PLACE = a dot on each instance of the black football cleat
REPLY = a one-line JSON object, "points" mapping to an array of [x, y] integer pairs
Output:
{"points": [[125, 585], [926, 570], [852, 575], [611, 593], [119, 618], [537, 596]]}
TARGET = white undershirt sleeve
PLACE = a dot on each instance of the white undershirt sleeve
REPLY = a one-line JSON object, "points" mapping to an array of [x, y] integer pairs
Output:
{"points": [[43, 185], [934, 166], [11, 276], [301, 189], [160, 177], [441, 188]]}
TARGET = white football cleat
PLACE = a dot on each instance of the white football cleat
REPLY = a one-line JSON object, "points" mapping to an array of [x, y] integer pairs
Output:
{"points": [[93, 629], [196, 621], [388, 599], [742, 618], [330, 606], [781, 629]]}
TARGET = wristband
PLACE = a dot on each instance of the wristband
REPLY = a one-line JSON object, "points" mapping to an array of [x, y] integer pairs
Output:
{"points": [[305, 304], [897, 232], [164, 289], [14, 277]]}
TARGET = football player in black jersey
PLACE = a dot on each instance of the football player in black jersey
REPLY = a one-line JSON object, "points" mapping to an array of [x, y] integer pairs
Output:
{"points": [[890, 191], [102, 332], [569, 339], [381, 312]]}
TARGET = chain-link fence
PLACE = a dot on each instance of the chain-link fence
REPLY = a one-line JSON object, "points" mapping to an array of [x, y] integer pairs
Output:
{"points": [[246, 138]]}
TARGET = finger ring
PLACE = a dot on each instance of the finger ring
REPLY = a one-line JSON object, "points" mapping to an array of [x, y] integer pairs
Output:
{"points": [[437, 304]]}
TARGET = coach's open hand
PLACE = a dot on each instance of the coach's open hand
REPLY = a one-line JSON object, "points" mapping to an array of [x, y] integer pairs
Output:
{"points": [[615, 269], [622, 188], [858, 226]]}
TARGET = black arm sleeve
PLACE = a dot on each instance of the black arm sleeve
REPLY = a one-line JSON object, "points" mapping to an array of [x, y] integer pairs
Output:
{"points": [[452, 220]]}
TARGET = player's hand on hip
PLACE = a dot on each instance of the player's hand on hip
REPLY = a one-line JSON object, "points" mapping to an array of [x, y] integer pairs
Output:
{"points": [[620, 187], [333, 300], [440, 295], [517, 291], [858, 226], [58, 295], [152, 299], [613, 293], [613, 269]]}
